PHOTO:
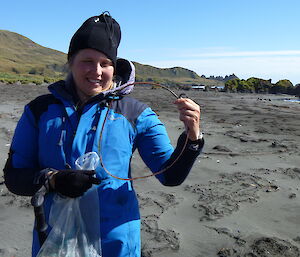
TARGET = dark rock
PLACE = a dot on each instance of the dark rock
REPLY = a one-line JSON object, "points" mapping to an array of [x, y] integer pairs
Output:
{"points": [[221, 148], [293, 195]]}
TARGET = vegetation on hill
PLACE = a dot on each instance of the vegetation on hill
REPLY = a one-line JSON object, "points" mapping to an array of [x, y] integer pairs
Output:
{"points": [[22, 58], [256, 85]]}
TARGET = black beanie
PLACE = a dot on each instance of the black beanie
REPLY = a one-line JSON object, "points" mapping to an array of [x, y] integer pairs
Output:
{"points": [[101, 33]]}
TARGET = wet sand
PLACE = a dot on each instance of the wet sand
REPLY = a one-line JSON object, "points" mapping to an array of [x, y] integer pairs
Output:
{"points": [[241, 198]]}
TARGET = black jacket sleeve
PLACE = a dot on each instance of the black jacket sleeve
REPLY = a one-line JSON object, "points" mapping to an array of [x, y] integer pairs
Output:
{"points": [[178, 170], [22, 181]]}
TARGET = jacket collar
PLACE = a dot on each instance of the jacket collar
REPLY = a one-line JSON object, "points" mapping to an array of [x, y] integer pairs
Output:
{"points": [[65, 90]]}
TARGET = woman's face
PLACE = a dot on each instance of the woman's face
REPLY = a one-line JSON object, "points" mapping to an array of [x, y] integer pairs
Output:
{"points": [[92, 73]]}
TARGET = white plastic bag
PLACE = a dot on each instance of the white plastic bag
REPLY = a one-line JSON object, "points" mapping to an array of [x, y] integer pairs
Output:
{"points": [[75, 222]]}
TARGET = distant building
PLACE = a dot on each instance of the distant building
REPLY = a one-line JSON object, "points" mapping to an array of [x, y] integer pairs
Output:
{"points": [[218, 88], [199, 87]]}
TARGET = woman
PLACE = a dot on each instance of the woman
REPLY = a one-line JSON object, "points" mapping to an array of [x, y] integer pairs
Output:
{"points": [[56, 129]]}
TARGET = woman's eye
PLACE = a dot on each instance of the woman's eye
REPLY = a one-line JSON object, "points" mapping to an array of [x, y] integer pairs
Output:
{"points": [[106, 64]]}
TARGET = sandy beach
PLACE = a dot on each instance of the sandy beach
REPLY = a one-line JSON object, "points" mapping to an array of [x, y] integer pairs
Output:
{"points": [[241, 199]]}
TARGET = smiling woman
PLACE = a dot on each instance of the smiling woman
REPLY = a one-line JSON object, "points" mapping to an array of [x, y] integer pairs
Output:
{"points": [[92, 72], [58, 128]]}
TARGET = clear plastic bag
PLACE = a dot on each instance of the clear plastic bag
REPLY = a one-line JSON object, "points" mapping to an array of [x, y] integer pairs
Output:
{"points": [[75, 222]]}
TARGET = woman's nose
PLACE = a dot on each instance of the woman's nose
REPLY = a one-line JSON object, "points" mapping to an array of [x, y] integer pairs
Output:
{"points": [[97, 68]]}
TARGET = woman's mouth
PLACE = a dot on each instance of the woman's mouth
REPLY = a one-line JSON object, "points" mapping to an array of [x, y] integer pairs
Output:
{"points": [[98, 81]]}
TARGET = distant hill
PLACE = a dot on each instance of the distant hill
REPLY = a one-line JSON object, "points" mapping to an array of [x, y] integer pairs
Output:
{"points": [[172, 76], [21, 56], [175, 75]]}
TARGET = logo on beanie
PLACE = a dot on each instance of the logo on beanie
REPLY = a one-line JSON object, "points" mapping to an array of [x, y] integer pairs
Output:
{"points": [[97, 19]]}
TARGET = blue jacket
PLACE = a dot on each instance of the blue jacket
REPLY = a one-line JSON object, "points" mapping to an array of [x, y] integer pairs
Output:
{"points": [[52, 132]]}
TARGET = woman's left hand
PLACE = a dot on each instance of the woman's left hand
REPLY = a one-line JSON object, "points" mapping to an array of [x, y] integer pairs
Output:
{"points": [[189, 114]]}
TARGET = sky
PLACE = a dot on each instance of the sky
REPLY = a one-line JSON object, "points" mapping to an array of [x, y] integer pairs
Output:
{"points": [[250, 38]]}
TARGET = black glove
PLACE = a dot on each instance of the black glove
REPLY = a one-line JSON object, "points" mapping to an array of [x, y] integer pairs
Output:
{"points": [[74, 183]]}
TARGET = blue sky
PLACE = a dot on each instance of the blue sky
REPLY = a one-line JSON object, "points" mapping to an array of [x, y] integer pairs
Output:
{"points": [[251, 38]]}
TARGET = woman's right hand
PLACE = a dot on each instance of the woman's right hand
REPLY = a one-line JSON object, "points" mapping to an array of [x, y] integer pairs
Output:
{"points": [[73, 183]]}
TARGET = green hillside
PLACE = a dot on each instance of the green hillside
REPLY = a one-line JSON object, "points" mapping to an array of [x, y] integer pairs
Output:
{"points": [[20, 55], [24, 60], [176, 75]]}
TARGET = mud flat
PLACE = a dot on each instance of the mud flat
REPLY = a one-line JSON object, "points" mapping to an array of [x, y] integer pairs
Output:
{"points": [[242, 197]]}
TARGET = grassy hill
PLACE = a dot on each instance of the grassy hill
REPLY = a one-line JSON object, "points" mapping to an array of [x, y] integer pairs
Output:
{"points": [[24, 60], [20, 55], [176, 75]]}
